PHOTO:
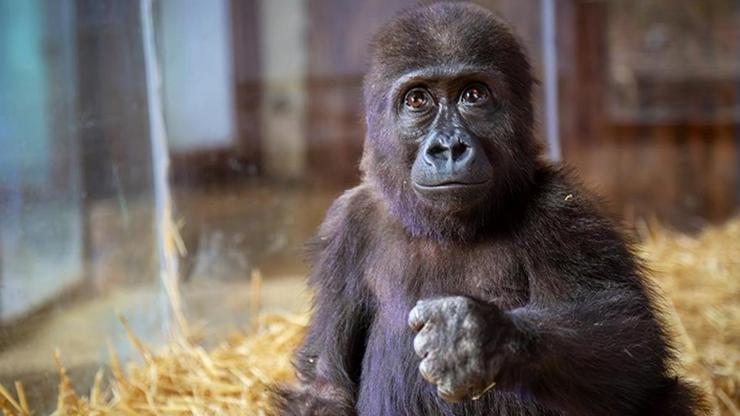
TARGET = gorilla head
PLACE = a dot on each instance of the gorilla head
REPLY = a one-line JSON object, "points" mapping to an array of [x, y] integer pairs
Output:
{"points": [[449, 120]]}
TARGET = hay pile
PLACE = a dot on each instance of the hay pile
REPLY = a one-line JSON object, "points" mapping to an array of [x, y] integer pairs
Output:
{"points": [[184, 378], [700, 277]]}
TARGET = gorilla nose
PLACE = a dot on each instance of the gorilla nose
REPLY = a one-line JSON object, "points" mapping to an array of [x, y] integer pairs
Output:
{"points": [[452, 160], [448, 152]]}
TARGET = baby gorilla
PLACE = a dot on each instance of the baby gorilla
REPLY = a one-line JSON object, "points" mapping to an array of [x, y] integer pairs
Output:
{"points": [[465, 275]]}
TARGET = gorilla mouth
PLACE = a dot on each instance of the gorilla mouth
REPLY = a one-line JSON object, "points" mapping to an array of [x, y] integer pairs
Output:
{"points": [[449, 185], [452, 193]]}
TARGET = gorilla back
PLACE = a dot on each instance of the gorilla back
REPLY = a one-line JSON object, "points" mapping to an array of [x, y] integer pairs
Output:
{"points": [[465, 275]]}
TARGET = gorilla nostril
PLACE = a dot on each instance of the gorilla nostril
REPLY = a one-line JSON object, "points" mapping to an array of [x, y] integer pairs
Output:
{"points": [[436, 150], [459, 149]]}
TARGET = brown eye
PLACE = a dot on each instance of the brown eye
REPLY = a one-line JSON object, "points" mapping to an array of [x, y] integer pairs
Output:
{"points": [[417, 99], [474, 94]]}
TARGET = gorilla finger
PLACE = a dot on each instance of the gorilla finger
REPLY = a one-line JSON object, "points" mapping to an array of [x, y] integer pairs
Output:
{"points": [[430, 370], [449, 394], [424, 341], [419, 315]]}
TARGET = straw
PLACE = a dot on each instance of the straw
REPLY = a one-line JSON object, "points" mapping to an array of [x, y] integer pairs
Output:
{"points": [[699, 277]]}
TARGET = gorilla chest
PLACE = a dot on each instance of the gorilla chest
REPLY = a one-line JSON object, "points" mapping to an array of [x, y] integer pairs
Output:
{"points": [[390, 382], [404, 273]]}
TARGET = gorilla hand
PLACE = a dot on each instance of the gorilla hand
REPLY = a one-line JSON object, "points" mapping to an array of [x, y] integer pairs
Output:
{"points": [[464, 345]]}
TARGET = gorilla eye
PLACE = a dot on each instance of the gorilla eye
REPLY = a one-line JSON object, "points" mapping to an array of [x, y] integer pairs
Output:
{"points": [[474, 94], [417, 99]]}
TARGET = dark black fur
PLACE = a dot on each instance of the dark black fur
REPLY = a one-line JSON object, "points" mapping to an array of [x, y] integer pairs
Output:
{"points": [[555, 309]]}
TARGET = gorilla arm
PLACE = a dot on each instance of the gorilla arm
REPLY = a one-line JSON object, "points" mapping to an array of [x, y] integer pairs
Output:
{"points": [[595, 343], [328, 362], [587, 342]]}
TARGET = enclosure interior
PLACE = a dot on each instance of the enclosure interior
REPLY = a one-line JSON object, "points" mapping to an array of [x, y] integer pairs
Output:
{"points": [[263, 121]]}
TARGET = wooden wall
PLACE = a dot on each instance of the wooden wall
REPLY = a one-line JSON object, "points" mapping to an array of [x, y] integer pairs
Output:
{"points": [[649, 105], [338, 38], [648, 95]]}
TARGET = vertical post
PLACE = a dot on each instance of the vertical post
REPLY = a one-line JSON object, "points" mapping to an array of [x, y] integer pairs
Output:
{"points": [[166, 232], [550, 68], [284, 61]]}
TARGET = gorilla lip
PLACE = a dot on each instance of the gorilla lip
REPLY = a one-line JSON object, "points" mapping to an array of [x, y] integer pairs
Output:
{"points": [[449, 185]]}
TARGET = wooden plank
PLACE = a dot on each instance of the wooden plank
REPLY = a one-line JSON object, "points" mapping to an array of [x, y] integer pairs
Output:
{"points": [[339, 34], [246, 37]]}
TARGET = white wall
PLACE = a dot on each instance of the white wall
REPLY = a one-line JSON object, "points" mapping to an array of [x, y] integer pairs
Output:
{"points": [[197, 72]]}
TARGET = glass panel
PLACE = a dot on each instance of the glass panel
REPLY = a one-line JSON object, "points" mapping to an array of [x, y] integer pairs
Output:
{"points": [[76, 235], [41, 210]]}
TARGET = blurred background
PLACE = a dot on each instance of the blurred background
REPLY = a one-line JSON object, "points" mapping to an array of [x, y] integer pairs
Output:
{"points": [[262, 118]]}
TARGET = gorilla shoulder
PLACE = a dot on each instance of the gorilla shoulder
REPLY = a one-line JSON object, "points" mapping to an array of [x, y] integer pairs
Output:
{"points": [[351, 213]]}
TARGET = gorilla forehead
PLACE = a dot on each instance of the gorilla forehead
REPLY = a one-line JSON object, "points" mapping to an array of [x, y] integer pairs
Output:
{"points": [[447, 34]]}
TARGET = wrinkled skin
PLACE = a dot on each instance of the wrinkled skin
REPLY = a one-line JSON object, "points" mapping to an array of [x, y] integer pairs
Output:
{"points": [[465, 275], [454, 342]]}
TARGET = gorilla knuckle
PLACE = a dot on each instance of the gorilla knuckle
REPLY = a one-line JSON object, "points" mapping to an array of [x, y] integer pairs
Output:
{"points": [[417, 317]]}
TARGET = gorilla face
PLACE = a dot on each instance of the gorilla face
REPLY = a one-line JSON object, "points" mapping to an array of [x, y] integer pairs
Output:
{"points": [[449, 119]]}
